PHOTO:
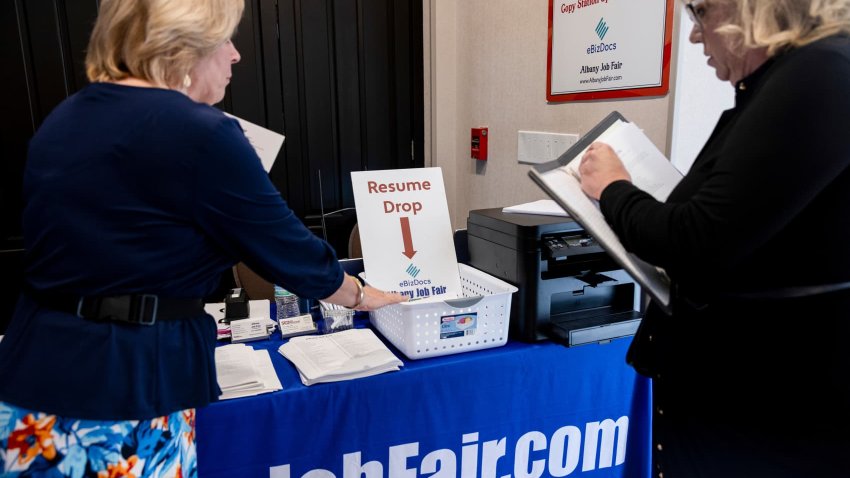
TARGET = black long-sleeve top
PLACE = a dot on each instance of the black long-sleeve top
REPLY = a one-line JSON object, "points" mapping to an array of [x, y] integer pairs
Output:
{"points": [[767, 201], [764, 209]]}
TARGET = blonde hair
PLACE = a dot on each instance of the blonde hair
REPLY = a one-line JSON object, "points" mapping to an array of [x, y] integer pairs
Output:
{"points": [[159, 41], [778, 25]]}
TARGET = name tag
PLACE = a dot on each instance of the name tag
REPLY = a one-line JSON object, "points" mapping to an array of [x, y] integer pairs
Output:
{"points": [[243, 330], [300, 325]]}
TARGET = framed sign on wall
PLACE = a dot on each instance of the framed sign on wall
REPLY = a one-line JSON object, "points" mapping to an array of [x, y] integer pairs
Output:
{"points": [[601, 49]]}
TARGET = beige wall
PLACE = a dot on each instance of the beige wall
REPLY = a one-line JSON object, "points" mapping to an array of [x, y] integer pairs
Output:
{"points": [[486, 66]]}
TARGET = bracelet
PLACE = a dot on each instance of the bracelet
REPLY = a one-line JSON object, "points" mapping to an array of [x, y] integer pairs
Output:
{"points": [[361, 293]]}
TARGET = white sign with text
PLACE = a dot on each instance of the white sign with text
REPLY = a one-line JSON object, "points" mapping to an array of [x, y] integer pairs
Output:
{"points": [[600, 45], [406, 233]]}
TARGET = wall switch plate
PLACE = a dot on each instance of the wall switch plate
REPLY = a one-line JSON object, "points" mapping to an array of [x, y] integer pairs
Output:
{"points": [[535, 147]]}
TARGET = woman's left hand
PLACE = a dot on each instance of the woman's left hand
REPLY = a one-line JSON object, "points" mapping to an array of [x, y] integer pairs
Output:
{"points": [[362, 297], [599, 167]]}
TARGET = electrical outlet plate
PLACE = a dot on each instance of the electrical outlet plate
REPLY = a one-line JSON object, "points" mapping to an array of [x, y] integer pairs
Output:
{"points": [[535, 147]]}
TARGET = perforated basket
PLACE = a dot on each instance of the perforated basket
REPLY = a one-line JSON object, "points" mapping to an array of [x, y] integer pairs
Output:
{"points": [[479, 320]]}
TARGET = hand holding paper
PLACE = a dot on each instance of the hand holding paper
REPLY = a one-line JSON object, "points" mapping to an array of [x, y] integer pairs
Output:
{"points": [[648, 169], [599, 167]]}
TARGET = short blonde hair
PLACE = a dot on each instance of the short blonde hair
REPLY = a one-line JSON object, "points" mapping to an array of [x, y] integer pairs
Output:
{"points": [[781, 24], [159, 41]]}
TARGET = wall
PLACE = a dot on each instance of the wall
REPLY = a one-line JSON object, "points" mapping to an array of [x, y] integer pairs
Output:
{"points": [[488, 68], [699, 100]]}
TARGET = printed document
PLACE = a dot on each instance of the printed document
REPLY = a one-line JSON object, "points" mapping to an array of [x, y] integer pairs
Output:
{"points": [[650, 171], [649, 168], [345, 355], [242, 371]]}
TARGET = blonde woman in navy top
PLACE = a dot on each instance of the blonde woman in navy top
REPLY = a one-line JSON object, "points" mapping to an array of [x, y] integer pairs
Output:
{"points": [[139, 194]]}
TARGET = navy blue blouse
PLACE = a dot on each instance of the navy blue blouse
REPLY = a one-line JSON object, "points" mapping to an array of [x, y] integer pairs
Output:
{"points": [[141, 190]]}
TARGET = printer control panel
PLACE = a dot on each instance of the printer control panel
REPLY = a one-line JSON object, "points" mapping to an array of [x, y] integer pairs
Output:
{"points": [[564, 246], [574, 254]]}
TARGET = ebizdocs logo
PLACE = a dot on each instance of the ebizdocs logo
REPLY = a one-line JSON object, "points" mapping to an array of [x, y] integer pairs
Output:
{"points": [[601, 31], [601, 28], [412, 270]]}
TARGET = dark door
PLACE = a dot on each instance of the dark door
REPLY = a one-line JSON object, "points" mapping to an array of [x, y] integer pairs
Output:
{"points": [[342, 79]]}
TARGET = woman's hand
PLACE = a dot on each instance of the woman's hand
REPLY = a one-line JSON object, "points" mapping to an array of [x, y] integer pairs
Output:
{"points": [[599, 167], [376, 298], [355, 296]]}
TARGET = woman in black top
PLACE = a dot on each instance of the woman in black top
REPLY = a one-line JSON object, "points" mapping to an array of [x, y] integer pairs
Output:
{"points": [[751, 372]]}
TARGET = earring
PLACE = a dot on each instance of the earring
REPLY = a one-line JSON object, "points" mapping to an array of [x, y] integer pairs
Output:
{"points": [[187, 82]]}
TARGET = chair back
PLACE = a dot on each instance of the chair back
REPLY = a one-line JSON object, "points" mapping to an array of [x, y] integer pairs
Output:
{"points": [[255, 287], [354, 249]]}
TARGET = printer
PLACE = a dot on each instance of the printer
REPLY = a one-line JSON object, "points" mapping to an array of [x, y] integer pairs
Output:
{"points": [[570, 290]]}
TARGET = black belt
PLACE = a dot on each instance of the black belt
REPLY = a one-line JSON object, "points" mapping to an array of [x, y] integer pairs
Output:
{"points": [[142, 309], [795, 292]]}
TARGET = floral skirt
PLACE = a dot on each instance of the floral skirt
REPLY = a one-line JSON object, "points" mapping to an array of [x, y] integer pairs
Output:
{"points": [[38, 444]]}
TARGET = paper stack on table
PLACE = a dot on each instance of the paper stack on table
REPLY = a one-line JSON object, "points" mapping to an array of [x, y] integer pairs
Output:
{"points": [[345, 355], [243, 371]]}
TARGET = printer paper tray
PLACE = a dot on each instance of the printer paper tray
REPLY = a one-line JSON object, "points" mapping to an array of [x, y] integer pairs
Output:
{"points": [[577, 330]]}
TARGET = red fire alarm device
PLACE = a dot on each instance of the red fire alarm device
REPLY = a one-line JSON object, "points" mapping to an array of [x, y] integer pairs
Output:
{"points": [[479, 143]]}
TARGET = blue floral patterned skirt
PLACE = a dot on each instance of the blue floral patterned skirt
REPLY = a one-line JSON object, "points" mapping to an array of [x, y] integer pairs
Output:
{"points": [[38, 444]]}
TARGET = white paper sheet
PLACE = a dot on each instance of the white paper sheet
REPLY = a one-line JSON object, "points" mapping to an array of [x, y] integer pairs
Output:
{"points": [[266, 142], [543, 207], [243, 371]]}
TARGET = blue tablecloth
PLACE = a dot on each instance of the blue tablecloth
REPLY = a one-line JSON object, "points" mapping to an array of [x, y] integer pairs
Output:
{"points": [[521, 410]]}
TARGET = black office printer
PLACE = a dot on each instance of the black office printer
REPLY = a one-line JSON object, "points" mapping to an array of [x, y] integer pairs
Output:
{"points": [[570, 290]]}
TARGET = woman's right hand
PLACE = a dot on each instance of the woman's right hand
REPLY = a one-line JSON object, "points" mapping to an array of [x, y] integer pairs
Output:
{"points": [[599, 167]]}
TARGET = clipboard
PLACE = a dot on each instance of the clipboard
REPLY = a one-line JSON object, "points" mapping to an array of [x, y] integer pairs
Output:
{"points": [[565, 190], [580, 145]]}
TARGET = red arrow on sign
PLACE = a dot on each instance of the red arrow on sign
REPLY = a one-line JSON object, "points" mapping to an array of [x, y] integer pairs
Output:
{"points": [[405, 235]]}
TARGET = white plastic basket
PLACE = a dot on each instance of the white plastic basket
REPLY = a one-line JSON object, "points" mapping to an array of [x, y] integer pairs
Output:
{"points": [[477, 321]]}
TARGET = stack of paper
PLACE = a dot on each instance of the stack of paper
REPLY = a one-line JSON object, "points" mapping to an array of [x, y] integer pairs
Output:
{"points": [[543, 207], [243, 371], [339, 356]]}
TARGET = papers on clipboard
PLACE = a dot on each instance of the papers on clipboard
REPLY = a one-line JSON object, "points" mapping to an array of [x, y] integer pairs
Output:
{"points": [[650, 171]]}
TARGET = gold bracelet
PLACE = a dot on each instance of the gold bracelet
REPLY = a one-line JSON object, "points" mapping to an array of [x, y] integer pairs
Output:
{"points": [[361, 293]]}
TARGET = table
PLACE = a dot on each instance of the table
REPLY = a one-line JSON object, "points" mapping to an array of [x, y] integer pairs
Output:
{"points": [[521, 410]]}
